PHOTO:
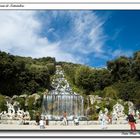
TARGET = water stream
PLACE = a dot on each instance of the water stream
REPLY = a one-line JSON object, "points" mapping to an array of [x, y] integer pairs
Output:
{"points": [[62, 99]]}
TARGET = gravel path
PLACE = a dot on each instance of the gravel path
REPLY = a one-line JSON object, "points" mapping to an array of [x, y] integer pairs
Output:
{"points": [[69, 127]]}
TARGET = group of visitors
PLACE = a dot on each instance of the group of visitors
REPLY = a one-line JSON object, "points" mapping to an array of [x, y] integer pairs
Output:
{"points": [[65, 120], [104, 120], [42, 121]]}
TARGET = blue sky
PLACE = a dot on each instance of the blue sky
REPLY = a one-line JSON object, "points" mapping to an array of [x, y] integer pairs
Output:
{"points": [[85, 37]]}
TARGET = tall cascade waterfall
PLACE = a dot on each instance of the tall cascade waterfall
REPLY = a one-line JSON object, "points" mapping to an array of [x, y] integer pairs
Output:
{"points": [[62, 99]]}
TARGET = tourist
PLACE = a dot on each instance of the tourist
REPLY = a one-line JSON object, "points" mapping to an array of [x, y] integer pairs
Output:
{"points": [[41, 122], [102, 119], [114, 118], [23, 119], [131, 121], [65, 118], [37, 118], [76, 121], [47, 121], [109, 119]]}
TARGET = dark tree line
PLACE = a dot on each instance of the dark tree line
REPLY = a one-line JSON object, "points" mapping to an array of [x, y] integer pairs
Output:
{"points": [[20, 75]]}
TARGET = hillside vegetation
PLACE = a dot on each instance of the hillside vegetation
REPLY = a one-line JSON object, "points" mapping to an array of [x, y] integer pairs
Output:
{"points": [[24, 75], [119, 80]]}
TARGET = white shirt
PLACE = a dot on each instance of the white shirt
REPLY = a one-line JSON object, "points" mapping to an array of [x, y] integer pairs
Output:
{"points": [[41, 122]]}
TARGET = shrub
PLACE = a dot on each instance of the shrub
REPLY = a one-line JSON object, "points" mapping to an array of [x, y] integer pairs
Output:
{"points": [[2, 103]]}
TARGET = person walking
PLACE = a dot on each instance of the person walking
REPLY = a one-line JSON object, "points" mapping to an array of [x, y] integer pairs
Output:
{"points": [[132, 122], [109, 119], [37, 118], [102, 119], [65, 118], [41, 123], [47, 121]]}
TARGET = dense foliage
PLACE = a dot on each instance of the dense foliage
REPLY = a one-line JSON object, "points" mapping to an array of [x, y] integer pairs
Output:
{"points": [[19, 75], [2, 103], [120, 80], [87, 79], [24, 75]]}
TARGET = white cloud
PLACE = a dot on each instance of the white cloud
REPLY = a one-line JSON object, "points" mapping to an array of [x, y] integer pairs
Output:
{"points": [[20, 35], [18, 30], [88, 32], [119, 52]]}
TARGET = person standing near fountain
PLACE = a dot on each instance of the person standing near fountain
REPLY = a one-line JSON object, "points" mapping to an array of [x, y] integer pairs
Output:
{"points": [[102, 119], [65, 118], [42, 124], [109, 119], [132, 121], [37, 118]]}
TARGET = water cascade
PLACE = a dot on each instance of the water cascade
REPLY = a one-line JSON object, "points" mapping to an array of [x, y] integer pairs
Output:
{"points": [[62, 99]]}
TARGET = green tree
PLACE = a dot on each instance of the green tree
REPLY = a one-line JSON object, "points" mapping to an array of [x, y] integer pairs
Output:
{"points": [[20, 74], [21, 102], [3, 106], [120, 69], [110, 92], [31, 101], [136, 66], [82, 77]]}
